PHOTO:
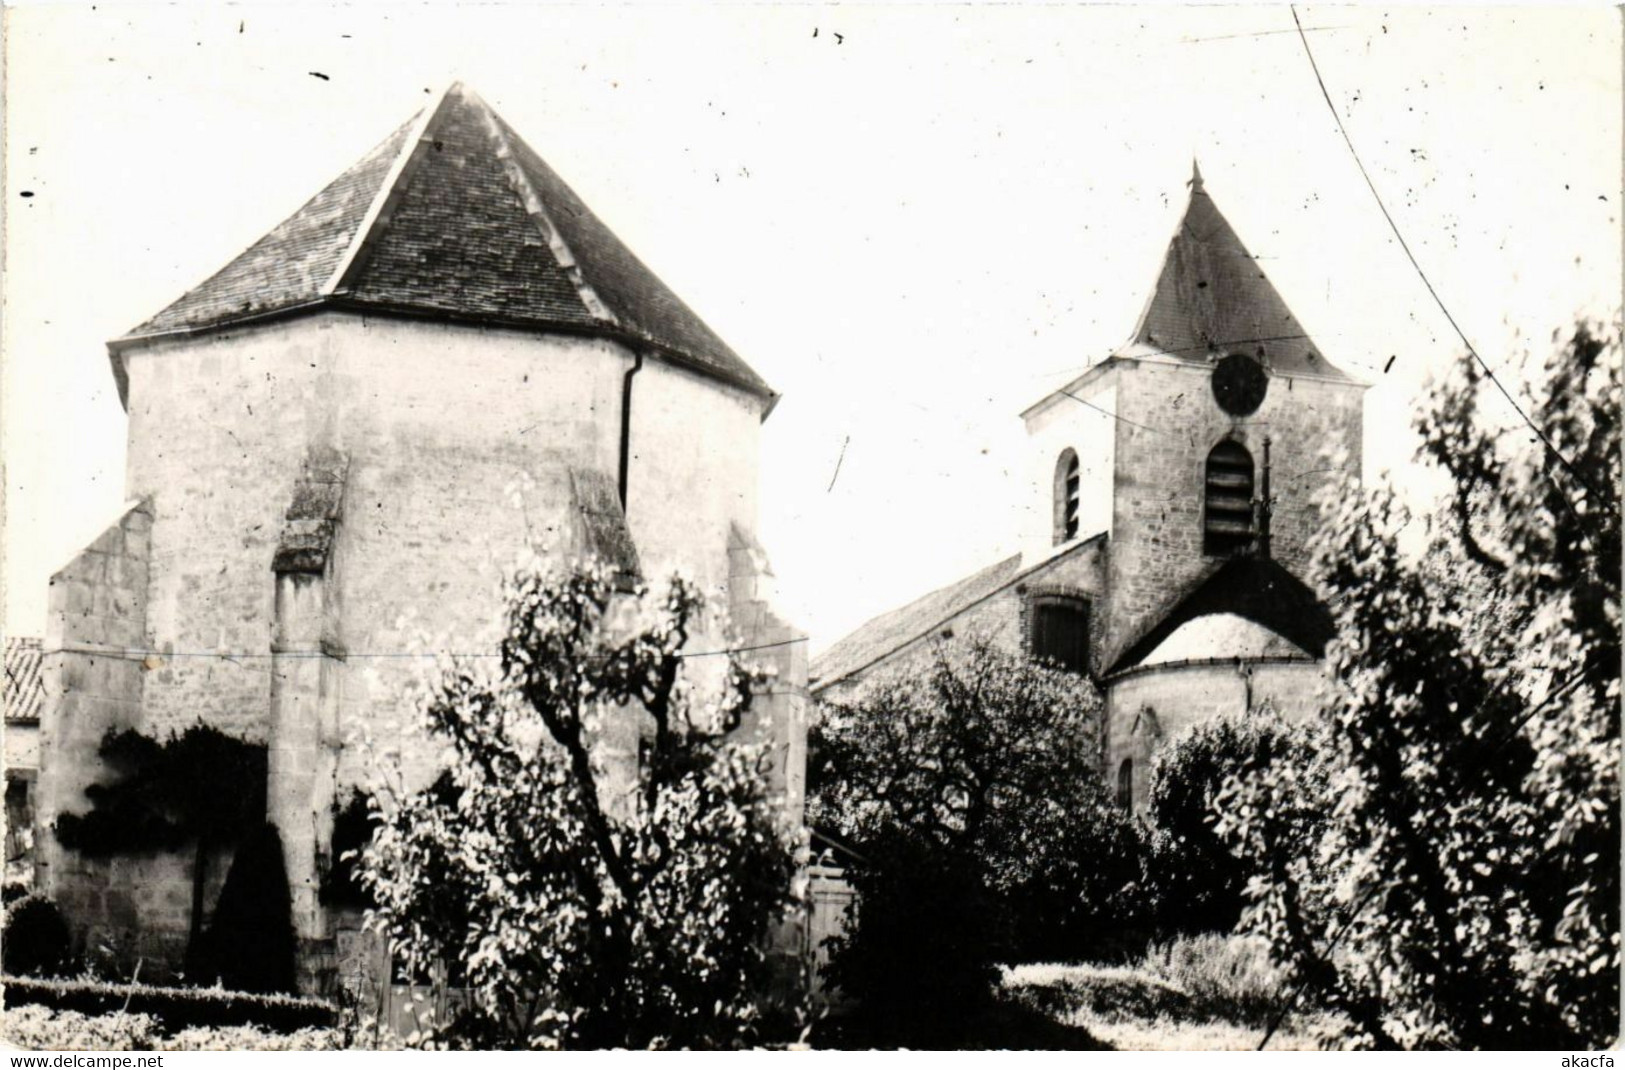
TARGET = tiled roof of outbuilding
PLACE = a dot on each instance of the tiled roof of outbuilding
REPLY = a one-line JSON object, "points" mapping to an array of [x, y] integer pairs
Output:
{"points": [[454, 216], [24, 688], [1212, 298]]}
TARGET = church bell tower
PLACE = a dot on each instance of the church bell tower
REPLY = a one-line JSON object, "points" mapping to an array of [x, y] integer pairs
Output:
{"points": [[1163, 445]]}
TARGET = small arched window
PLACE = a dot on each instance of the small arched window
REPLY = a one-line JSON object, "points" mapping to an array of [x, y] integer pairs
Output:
{"points": [[1125, 784], [1227, 516], [1067, 481]]}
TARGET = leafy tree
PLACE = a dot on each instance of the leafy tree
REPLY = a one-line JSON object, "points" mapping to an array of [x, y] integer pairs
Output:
{"points": [[1465, 890], [199, 786], [971, 791], [1198, 881], [591, 899]]}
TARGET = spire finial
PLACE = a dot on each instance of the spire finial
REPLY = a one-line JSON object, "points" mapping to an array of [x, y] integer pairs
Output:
{"points": [[1196, 177]]}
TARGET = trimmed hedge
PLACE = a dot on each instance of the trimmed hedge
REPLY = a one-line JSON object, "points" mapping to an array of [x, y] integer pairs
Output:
{"points": [[173, 1009], [41, 1029]]}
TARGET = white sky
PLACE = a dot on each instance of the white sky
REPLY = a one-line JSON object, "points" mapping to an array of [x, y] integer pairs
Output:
{"points": [[914, 222]]}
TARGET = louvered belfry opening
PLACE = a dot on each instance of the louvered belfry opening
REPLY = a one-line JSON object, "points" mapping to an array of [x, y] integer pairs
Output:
{"points": [[1068, 480], [1227, 520], [1072, 498]]}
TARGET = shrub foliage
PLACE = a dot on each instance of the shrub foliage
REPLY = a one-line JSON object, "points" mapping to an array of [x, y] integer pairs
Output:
{"points": [[1199, 881], [37, 1028], [1465, 889], [970, 793], [1228, 978], [35, 941], [354, 820], [172, 1009], [585, 898]]}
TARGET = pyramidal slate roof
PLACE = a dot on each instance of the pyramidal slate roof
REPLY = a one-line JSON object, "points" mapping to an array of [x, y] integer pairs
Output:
{"points": [[453, 216], [1212, 298]]}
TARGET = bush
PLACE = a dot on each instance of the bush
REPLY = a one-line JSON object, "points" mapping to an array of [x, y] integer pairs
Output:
{"points": [[1465, 890], [37, 1028], [994, 761], [1228, 977], [173, 1009], [917, 960], [35, 940], [1091, 900], [198, 787], [354, 821], [1197, 880]]}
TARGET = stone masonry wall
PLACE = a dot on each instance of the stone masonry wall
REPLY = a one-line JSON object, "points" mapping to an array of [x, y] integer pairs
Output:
{"points": [[460, 443], [1183, 694], [218, 426], [694, 451], [779, 709], [95, 671], [1082, 423], [1170, 422]]}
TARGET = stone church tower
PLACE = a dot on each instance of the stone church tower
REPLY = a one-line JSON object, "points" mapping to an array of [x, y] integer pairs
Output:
{"points": [[336, 445], [1150, 560]]}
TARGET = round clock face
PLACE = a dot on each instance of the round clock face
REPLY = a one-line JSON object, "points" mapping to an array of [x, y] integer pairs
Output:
{"points": [[1239, 384]]}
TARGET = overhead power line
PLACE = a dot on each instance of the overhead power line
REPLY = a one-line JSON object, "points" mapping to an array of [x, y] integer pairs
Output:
{"points": [[1405, 247]]}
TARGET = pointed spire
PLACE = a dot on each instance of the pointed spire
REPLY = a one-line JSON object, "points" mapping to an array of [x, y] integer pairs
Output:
{"points": [[1212, 298]]}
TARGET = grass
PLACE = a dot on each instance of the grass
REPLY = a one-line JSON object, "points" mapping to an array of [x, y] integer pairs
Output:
{"points": [[1003, 1024], [1208, 993], [1203, 993]]}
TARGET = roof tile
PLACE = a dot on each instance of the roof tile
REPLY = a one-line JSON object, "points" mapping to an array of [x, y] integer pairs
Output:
{"points": [[291, 264], [25, 686]]}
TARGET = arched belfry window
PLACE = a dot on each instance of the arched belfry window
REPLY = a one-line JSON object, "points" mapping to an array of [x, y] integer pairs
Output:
{"points": [[1125, 784], [1067, 481], [1227, 515]]}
